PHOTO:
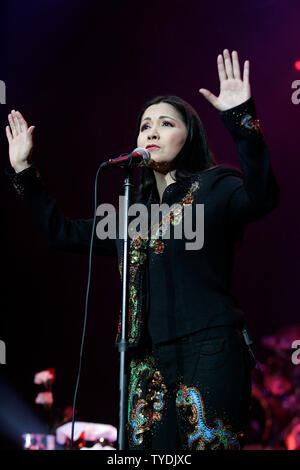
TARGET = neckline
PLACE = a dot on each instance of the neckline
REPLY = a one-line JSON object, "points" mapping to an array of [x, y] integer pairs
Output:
{"points": [[173, 186], [179, 185]]}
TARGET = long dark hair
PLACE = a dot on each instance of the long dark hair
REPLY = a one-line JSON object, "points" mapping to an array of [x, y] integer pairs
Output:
{"points": [[195, 155]]}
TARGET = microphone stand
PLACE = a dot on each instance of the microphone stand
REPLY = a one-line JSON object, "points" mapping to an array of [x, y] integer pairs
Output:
{"points": [[123, 344]]}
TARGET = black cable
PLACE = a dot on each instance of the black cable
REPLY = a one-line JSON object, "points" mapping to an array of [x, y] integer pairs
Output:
{"points": [[86, 308]]}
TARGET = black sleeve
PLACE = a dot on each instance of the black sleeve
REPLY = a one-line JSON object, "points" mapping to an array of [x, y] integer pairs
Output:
{"points": [[256, 192], [59, 231]]}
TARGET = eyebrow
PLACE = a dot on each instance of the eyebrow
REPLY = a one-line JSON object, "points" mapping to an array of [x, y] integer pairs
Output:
{"points": [[160, 117]]}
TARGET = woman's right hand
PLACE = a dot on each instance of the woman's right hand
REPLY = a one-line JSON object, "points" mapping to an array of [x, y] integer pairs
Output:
{"points": [[20, 141]]}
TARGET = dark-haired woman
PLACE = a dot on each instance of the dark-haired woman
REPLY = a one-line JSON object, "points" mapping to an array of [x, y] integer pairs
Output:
{"points": [[190, 373]]}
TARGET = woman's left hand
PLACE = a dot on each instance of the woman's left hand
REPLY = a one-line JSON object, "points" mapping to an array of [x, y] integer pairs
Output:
{"points": [[233, 89]]}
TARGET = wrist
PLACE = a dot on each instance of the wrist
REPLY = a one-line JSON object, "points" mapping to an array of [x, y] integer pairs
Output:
{"points": [[21, 167]]}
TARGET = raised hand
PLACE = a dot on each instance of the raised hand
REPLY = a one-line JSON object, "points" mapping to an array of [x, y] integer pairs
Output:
{"points": [[233, 89], [20, 141]]}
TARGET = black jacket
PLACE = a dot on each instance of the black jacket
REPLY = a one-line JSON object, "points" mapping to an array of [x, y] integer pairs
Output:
{"points": [[185, 290]]}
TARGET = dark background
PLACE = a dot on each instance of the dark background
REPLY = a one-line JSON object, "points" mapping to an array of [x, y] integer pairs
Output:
{"points": [[80, 71]]}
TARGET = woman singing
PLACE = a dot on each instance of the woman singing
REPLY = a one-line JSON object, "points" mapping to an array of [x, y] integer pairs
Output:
{"points": [[190, 369]]}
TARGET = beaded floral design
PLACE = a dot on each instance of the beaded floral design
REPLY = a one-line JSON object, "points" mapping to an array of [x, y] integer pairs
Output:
{"points": [[174, 217], [137, 257], [191, 402], [158, 247], [242, 118], [250, 123], [145, 381]]}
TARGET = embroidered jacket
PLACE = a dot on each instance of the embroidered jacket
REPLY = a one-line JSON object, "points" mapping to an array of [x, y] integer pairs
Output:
{"points": [[174, 291]]}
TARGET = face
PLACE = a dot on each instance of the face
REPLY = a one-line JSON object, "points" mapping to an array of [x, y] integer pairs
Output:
{"points": [[162, 132]]}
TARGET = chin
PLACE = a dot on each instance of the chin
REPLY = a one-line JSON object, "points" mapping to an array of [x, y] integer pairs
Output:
{"points": [[160, 159]]}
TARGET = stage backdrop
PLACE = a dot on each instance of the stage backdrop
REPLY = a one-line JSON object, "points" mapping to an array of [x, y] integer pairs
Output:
{"points": [[80, 72]]}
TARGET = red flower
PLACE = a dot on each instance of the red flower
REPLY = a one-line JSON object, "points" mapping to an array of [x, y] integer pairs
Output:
{"points": [[44, 398], [45, 376]]}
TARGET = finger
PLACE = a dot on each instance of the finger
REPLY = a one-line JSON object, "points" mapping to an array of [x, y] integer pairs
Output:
{"points": [[8, 134], [228, 66], [209, 96], [31, 129], [236, 65], [221, 69], [23, 124], [12, 125], [17, 124], [246, 71]]}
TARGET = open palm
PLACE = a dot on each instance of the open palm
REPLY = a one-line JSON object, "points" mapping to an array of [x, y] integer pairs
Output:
{"points": [[20, 140], [234, 90]]}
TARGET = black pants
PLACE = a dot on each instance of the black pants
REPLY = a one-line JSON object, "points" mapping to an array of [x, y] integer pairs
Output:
{"points": [[193, 393]]}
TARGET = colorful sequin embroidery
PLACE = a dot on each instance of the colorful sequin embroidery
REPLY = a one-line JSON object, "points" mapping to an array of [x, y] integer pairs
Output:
{"points": [[174, 217], [145, 381], [250, 123], [137, 257], [191, 401]]}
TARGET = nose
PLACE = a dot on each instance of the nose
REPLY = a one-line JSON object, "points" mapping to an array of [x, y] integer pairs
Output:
{"points": [[153, 133]]}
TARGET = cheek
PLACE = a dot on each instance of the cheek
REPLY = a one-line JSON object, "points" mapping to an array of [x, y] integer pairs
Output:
{"points": [[178, 140], [139, 140]]}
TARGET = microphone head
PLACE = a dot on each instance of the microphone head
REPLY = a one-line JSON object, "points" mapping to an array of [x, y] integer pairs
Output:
{"points": [[144, 152]]}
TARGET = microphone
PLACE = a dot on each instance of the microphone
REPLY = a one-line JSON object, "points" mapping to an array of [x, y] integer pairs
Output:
{"points": [[139, 157]]}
